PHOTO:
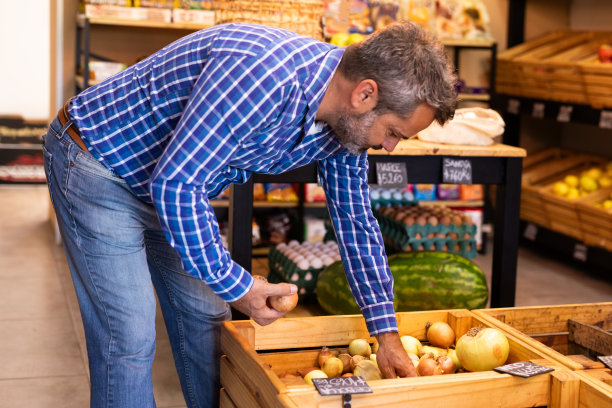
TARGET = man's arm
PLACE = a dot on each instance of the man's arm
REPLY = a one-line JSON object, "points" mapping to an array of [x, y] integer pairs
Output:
{"points": [[344, 179]]}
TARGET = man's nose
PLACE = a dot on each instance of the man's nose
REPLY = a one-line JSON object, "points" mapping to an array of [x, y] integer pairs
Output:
{"points": [[389, 144]]}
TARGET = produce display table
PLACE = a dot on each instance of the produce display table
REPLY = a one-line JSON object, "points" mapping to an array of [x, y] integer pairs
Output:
{"points": [[256, 361], [496, 164]]}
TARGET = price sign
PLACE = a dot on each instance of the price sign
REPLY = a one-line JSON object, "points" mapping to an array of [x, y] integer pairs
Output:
{"points": [[391, 174], [605, 120], [538, 110], [607, 360], [514, 106], [523, 369], [580, 252], [565, 113], [341, 385], [531, 232], [456, 171]]}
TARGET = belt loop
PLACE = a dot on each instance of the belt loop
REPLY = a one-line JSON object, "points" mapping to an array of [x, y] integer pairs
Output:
{"points": [[65, 127]]}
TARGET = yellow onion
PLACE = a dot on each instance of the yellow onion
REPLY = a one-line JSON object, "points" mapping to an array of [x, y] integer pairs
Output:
{"points": [[333, 367], [314, 374], [359, 347], [453, 354], [355, 360], [482, 349], [440, 334], [346, 362], [324, 354], [411, 344], [368, 370]]}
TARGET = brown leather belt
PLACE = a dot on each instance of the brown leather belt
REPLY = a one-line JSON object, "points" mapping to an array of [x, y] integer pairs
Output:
{"points": [[72, 130]]}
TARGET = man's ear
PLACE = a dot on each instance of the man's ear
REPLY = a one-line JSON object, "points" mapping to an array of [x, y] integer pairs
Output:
{"points": [[364, 96]]}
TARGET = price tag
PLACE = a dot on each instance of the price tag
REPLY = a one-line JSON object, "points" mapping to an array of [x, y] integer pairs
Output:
{"points": [[531, 232], [341, 385], [538, 110], [514, 106], [456, 171], [523, 369], [607, 360], [565, 113], [605, 120], [391, 174], [580, 252]]}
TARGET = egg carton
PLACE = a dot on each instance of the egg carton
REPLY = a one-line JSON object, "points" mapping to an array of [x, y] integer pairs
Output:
{"points": [[384, 197], [464, 247], [301, 264]]}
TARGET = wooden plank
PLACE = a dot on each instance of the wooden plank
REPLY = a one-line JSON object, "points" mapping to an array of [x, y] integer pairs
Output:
{"points": [[600, 374], [249, 367], [415, 147], [456, 390], [224, 400], [290, 361], [591, 337], [235, 388], [586, 362], [594, 394], [564, 390]]}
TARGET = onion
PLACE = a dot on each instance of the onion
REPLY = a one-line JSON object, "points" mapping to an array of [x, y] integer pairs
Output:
{"points": [[440, 334], [482, 349], [453, 354], [411, 344], [314, 374], [428, 366], [368, 370], [333, 367], [375, 346], [359, 347], [355, 360], [436, 351], [284, 304], [346, 362], [447, 364], [348, 375], [324, 354]]}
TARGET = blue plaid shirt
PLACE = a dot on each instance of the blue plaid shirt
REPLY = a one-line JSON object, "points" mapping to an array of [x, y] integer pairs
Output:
{"points": [[211, 109]]}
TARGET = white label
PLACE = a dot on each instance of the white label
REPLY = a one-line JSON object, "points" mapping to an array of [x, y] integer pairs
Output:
{"points": [[538, 110], [580, 252], [514, 106], [531, 232], [565, 113], [605, 120]]}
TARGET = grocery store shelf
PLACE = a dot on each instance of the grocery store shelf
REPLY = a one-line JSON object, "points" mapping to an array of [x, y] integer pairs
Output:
{"points": [[454, 203], [468, 43], [21, 146], [563, 247], [270, 204], [141, 23], [547, 109], [474, 97]]}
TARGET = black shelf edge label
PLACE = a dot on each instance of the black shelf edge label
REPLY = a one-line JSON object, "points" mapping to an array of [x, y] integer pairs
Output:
{"points": [[456, 171], [341, 385], [523, 369], [565, 113], [391, 174], [605, 119]]}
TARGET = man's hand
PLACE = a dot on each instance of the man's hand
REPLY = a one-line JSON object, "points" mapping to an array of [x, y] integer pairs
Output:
{"points": [[255, 304], [392, 359]]}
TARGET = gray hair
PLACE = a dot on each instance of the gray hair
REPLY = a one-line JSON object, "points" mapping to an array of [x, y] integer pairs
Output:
{"points": [[409, 67]]}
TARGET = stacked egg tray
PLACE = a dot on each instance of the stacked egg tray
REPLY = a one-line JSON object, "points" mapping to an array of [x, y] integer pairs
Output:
{"points": [[409, 228], [301, 264], [385, 197]]}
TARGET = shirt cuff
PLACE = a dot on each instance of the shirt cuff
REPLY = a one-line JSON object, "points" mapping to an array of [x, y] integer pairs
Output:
{"points": [[234, 284], [380, 318]]}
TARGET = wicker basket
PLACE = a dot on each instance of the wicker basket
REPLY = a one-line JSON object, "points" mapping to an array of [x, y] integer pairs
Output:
{"points": [[303, 16]]}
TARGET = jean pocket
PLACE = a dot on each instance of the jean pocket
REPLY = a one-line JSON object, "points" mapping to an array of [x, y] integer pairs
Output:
{"points": [[84, 161]]}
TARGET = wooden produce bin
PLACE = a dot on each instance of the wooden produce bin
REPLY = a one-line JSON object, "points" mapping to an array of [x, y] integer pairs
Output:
{"points": [[255, 357], [596, 221], [547, 329]]}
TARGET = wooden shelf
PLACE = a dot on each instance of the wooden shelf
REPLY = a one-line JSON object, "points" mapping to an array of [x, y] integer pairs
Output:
{"points": [[415, 147], [142, 23], [474, 97], [469, 43]]}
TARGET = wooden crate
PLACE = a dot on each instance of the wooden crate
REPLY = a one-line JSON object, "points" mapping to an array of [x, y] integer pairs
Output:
{"points": [[556, 66], [255, 356], [592, 392], [596, 222], [547, 328]]}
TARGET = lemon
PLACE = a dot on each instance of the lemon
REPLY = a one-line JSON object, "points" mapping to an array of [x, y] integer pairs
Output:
{"points": [[594, 172], [607, 204], [560, 188], [573, 193], [571, 180], [604, 181], [588, 184], [354, 38], [340, 39]]}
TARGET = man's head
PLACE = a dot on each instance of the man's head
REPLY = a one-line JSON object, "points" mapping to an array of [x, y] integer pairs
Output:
{"points": [[400, 81]]}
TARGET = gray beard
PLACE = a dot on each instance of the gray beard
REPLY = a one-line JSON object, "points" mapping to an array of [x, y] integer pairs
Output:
{"points": [[352, 132]]}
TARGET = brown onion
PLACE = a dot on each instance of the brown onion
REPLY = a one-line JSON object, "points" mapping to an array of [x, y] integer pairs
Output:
{"points": [[324, 354], [440, 334], [447, 364], [428, 366], [284, 304]]}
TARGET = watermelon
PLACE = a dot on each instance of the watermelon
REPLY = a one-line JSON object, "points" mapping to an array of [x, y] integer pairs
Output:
{"points": [[428, 280]]}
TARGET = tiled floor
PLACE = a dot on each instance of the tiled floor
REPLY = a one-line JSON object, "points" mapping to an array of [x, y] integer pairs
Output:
{"points": [[42, 354]]}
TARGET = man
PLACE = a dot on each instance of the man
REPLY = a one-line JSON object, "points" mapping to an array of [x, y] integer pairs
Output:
{"points": [[133, 163]]}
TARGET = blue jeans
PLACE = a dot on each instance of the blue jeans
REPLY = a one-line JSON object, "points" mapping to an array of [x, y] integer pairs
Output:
{"points": [[119, 258]]}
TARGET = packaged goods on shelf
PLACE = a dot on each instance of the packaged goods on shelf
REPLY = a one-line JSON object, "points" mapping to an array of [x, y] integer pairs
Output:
{"points": [[101, 70], [471, 192], [447, 191], [201, 17], [281, 192], [313, 193], [300, 264], [431, 228], [314, 229], [259, 192], [129, 13], [425, 192]]}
